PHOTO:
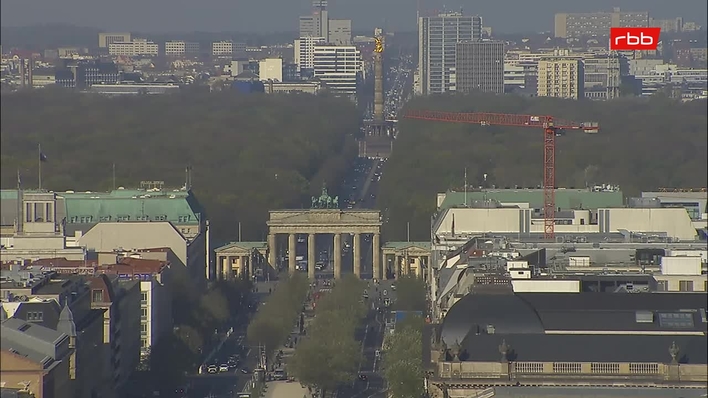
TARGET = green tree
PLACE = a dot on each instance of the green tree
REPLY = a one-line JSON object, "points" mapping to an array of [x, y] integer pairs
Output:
{"points": [[410, 294], [403, 359], [329, 356]]}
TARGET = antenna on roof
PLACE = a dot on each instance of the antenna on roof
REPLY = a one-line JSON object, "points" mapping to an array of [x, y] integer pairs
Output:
{"points": [[188, 178]]}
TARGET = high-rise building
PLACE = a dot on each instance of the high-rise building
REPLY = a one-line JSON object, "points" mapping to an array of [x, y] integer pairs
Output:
{"points": [[305, 52], [561, 78], [437, 40], [340, 32], [105, 39], [224, 47], [179, 48], [597, 24], [271, 69], [133, 48], [479, 66], [338, 67], [316, 24]]}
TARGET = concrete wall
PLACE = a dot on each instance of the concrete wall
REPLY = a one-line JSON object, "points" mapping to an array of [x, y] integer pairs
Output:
{"points": [[674, 221]]}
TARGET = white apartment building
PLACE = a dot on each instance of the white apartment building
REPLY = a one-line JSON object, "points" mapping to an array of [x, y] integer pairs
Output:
{"points": [[179, 48], [597, 24], [561, 78], [224, 47], [338, 67], [271, 69], [304, 49], [155, 311], [134, 48]]}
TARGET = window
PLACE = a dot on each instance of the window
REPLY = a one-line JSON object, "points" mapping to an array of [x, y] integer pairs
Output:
{"points": [[676, 320], [123, 218], [35, 316], [143, 328], [685, 286], [97, 296], [143, 297], [144, 343], [160, 217], [144, 312], [661, 286]]}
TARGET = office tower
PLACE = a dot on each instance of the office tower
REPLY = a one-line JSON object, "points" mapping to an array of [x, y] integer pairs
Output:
{"points": [[105, 39], [339, 67], [437, 40], [479, 66], [340, 32], [304, 52], [316, 24], [597, 24], [561, 78]]}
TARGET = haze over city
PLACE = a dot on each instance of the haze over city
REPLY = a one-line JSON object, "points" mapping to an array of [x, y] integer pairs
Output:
{"points": [[264, 16]]}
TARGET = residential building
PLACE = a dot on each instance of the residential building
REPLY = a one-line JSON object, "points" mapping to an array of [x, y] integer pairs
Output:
{"points": [[561, 78], [224, 47], [155, 296], [121, 305], [316, 24], [106, 39], [304, 51], [340, 32], [271, 69], [602, 75], [597, 24], [179, 48], [134, 48], [479, 66], [34, 359], [338, 67], [76, 318], [437, 40], [668, 25]]}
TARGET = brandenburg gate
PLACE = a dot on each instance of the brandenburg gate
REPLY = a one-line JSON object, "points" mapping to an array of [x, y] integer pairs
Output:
{"points": [[325, 218]]}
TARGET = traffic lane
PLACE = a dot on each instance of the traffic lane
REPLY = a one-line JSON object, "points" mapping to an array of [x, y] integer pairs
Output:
{"points": [[230, 382]]}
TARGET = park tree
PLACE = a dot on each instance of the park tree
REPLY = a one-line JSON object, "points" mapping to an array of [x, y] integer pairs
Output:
{"points": [[410, 294], [329, 356], [403, 359]]}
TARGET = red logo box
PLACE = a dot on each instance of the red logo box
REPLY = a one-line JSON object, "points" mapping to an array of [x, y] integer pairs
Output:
{"points": [[628, 39]]}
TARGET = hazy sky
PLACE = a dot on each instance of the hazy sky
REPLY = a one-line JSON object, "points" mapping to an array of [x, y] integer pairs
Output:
{"points": [[281, 15]]}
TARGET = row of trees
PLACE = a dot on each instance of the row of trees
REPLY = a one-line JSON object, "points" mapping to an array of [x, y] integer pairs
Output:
{"points": [[329, 356], [277, 316], [643, 144], [248, 153], [403, 351], [197, 315]]}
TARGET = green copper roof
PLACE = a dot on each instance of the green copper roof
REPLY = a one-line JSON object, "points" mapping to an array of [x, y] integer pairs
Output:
{"points": [[403, 245], [565, 198], [178, 206]]}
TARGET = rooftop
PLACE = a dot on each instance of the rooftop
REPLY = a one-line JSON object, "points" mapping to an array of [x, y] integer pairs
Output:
{"points": [[565, 198], [589, 313]]}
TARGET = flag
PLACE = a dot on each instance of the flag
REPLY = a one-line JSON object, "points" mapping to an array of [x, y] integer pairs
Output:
{"points": [[42, 157]]}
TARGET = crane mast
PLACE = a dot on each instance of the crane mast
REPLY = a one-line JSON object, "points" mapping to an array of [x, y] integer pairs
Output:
{"points": [[551, 129]]}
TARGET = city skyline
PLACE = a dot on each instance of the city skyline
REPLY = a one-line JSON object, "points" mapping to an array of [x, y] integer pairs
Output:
{"points": [[396, 15]]}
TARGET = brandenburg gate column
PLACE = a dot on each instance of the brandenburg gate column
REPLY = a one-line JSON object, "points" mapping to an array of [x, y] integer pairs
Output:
{"points": [[311, 256], [376, 257], [337, 256], [272, 252], [292, 258], [357, 255]]}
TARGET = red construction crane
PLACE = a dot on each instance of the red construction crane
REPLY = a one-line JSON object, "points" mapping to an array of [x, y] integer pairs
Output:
{"points": [[551, 128]]}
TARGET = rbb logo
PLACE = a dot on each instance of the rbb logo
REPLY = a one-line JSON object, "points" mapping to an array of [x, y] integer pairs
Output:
{"points": [[627, 39]]}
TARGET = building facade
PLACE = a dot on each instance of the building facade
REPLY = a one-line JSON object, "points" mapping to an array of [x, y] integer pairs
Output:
{"points": [[338, 67], [106, 39], [305, 52], [317, 23], [271, 69], [561, 78], [437, 40], [340, 32], [479, 66], [134, 48], [597, 24], [178, 48], [224, 47]]}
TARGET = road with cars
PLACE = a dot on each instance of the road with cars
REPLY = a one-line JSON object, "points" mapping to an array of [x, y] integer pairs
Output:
{"points": [[232, 365]]}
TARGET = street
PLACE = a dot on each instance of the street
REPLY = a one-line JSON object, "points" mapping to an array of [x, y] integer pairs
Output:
{"points": [[225, 384]]}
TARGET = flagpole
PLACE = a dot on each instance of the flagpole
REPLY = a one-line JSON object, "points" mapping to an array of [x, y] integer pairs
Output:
{"points": [[20, 216], [114, 176], [39, 160]]}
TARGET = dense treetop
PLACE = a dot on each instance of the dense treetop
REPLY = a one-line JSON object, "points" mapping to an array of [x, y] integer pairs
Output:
{"points": [[643, 144], [249, 153]]}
